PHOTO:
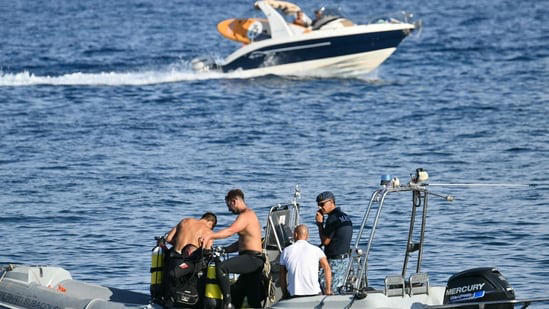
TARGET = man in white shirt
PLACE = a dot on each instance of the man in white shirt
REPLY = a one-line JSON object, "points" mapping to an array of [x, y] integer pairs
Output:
{"points": [[300, 262]]}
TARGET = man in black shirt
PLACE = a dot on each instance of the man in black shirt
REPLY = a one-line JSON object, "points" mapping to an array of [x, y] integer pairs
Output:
{"points": [[335, 234]]}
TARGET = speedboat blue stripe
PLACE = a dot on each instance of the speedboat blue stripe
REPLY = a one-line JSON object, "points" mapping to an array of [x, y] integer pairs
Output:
{"points": [[277, 50]]}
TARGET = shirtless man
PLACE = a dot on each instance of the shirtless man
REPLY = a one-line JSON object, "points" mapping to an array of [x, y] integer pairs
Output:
{"points": [[250, 260], [185, 236]]}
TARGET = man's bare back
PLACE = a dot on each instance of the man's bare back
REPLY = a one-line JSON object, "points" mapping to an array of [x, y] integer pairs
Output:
{"points": [[186, 235]]}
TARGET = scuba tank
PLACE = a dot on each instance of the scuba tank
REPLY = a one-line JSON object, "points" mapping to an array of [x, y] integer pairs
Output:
{"points": [[157, 268], [213, 298]]}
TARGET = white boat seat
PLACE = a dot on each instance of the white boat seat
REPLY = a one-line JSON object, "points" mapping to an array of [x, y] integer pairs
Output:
{"points": [[419, 284], [394, 286]]}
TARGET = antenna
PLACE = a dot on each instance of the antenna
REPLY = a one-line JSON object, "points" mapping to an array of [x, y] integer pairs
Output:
{"points": [[297, 195]]}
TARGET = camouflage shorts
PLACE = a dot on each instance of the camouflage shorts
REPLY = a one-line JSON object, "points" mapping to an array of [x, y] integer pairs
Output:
{"points": [[339, 267]]}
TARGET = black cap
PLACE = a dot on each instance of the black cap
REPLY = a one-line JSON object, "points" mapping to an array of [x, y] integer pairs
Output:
{"points": [[326, 195]]}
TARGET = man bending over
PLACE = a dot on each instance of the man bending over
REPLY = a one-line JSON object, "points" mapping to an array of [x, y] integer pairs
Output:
{"points": [[185, 236]]}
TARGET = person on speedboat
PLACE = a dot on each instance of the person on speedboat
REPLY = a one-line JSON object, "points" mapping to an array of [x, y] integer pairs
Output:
{"points": [[301, 19], [335, 235], [300, 261], [250, 260], [319, 15]]}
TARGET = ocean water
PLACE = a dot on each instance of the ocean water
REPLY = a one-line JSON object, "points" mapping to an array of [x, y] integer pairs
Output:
{"points": [[108, 138]]}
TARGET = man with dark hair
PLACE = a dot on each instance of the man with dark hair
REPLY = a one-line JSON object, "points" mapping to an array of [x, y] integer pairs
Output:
{"points": [[186, 234], [184, 259], [250, 260], [335, 235]]}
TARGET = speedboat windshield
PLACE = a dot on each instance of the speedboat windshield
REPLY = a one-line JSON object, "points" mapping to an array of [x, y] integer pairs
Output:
{"points": [[331, 11], [393, 18]]}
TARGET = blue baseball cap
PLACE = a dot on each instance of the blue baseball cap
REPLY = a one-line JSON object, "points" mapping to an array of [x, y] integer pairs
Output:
{"points": [[326, 195]]}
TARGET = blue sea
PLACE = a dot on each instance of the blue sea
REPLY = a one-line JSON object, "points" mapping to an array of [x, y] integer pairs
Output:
{"points": [[108, 138]]}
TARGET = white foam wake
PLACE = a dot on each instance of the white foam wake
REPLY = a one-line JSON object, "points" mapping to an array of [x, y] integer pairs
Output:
{"points": [[180, 72], [106, 78]]}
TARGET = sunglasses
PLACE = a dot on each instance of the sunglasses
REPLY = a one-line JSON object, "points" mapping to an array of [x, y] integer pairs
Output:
{"points": [[321, 204]]}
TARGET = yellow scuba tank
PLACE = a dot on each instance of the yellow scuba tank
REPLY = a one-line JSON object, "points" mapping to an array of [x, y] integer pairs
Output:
{"points": [[157, 267], [212, 292]]}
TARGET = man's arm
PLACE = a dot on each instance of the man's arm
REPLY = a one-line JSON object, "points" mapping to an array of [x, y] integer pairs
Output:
{"points": [[238, 225], [283, 284], [210, 243], [170, 235], [324, 239], [327, 274]]}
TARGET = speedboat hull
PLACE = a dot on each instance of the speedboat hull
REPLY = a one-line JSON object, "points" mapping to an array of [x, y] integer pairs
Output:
{"points": [[348, 65], [352, 51]]}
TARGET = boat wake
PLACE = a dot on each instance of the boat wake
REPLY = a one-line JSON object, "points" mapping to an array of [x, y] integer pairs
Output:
{"points": [[171, 74], [179, 72]]}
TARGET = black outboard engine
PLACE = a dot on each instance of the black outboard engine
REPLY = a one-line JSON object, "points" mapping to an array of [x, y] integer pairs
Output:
{"points": [[479, 285]]}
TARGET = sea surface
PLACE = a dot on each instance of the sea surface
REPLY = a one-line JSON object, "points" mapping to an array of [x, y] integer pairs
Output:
{"points": [[108, 138]]}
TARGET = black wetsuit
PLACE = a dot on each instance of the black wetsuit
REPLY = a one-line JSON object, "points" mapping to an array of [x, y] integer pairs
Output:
{"points": [[249, 264], [181, 265], [181, 280]]}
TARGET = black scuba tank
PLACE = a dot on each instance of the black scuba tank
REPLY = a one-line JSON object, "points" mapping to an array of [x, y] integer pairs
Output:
{"points": [[478, 285]]}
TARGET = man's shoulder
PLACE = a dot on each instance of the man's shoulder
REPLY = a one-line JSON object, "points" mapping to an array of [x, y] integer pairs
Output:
{"points": [[249, 214], [338, 211], [312, 251], [315, 248], [293, 247], [190, 221], [307, 246], [339, 215]]}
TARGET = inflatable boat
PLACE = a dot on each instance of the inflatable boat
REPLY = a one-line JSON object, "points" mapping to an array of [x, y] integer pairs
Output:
{"points": [[23, 286]]}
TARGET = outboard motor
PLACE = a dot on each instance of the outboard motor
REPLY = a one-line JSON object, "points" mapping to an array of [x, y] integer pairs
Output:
{"points": [[478, 285], [204, 64]]}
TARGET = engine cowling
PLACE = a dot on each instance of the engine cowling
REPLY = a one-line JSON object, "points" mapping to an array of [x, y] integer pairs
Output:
{"points": [[478, 285]]}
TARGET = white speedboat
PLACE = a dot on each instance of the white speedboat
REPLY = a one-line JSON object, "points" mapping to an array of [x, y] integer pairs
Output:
{"points": [[332, 45], [24, 286]]}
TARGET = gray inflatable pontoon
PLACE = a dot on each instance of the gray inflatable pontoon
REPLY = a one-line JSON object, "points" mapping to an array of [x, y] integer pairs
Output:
{"points": [[53, 287]]}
